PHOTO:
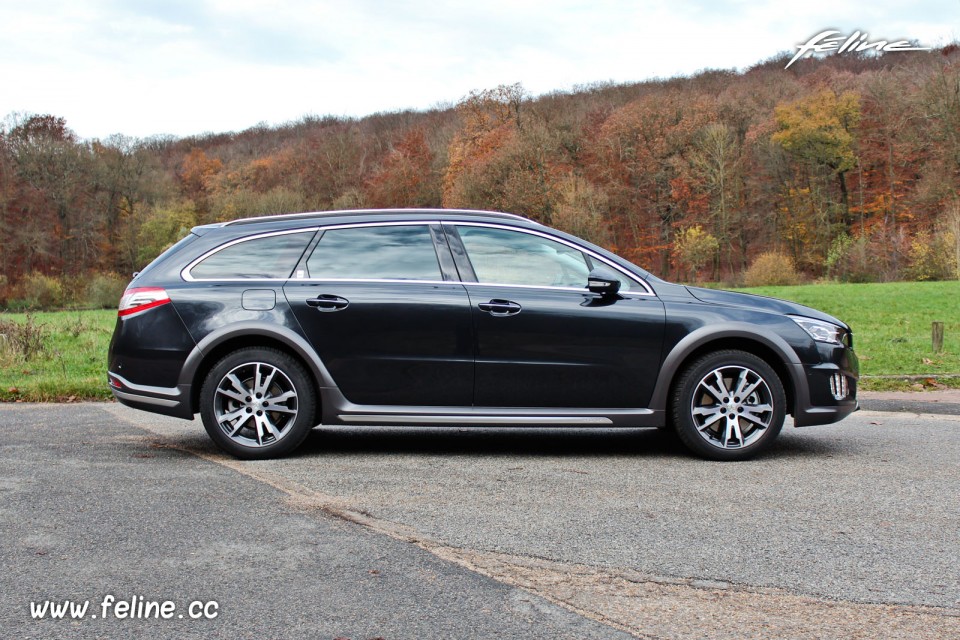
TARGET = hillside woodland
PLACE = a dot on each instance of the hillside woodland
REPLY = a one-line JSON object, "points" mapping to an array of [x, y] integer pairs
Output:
{"points": [[844, 168]]}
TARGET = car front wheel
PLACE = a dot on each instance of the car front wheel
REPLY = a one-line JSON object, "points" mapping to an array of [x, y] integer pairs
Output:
{"points": [[258, 403], [728, 405]]}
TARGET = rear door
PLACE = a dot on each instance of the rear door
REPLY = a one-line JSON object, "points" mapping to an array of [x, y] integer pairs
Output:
{"points": [[392, 325]]}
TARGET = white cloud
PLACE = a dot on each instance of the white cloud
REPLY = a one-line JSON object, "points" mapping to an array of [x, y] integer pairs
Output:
{"points": [[190, 66]]}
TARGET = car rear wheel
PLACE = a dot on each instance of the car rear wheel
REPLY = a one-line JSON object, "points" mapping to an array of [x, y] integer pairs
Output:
{"points": [[728, 405], [258, 403]]}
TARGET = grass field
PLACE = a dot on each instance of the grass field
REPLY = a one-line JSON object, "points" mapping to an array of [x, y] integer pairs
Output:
{"points": [[70, 360], [891, 324]]}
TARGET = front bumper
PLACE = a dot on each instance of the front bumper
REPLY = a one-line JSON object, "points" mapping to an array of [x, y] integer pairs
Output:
{"points": [[831, 388], [811, 416]]}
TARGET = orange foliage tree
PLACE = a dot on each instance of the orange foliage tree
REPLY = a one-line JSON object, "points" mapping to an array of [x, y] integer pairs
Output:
{"points": [[197, 173], [639, 158], [405, 177]]}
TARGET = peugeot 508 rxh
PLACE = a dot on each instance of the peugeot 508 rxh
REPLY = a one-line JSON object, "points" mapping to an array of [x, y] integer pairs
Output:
{"points": [[269, 326]]}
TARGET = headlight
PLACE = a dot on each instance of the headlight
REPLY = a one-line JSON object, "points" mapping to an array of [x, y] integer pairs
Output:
{"points": [[819, 330]]}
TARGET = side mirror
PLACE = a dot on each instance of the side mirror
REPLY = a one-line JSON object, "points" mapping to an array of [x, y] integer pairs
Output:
{"points": [[603, 281]]}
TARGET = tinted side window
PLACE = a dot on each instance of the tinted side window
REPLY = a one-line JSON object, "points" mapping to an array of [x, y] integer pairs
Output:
{"points": [[500, 256], [376, 253], [266, 257]]}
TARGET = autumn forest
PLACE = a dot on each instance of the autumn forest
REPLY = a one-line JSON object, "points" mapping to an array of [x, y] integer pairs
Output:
{"points": [[843, 168]]}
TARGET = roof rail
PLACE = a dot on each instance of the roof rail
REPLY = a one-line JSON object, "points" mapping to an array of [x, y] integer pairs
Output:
{"points": [[358, 212]]}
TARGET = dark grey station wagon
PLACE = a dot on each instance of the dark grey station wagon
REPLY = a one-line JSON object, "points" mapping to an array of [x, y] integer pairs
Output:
{"points": [[269, 326]]}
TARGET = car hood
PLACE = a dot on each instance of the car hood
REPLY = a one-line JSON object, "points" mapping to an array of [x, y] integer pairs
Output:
{"points": [[751, 301]]}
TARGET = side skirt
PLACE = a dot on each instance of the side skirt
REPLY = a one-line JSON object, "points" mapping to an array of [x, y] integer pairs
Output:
{"points": [[338, 410]]}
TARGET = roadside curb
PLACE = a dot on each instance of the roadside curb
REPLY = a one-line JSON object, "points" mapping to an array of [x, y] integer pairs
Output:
{"points": [[942, 402]]}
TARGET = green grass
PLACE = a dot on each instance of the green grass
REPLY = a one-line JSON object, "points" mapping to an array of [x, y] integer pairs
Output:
{"points": [[72, 363], [891, 324]]}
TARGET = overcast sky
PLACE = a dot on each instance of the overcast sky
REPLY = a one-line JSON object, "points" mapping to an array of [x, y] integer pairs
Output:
{"points": [[184, 67]]}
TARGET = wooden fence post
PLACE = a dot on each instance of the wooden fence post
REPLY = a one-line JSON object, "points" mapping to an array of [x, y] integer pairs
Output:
{"points": [[937, 333]]}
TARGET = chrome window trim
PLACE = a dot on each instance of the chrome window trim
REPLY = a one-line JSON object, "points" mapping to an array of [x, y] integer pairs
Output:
{"points": [[537, 286], [438, 282], [373, 281], [185, 272], [633, 278]]}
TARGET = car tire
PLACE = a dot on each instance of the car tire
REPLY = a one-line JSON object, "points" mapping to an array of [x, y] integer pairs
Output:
{"points": [[258, 403], [728, 405]]}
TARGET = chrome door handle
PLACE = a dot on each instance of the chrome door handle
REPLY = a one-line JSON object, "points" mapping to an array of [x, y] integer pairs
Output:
{"points": [[500, 307], [327, 302]]}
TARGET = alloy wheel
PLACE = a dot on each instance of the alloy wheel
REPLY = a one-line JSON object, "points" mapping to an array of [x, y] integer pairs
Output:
{"points": [[732, 407], [255, 404]]}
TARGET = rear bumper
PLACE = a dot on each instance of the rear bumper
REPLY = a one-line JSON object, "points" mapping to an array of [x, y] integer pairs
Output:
{"points": [[169, 401]]}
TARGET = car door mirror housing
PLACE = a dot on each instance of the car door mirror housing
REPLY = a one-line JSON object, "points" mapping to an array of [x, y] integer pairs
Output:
{"points": [[603, 281]]}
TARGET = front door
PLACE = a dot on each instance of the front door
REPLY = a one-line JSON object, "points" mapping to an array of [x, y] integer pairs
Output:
{"points": [[543, 339]]}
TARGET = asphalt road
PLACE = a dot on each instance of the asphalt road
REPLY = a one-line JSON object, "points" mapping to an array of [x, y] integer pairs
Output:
{"points": [[430, 533], [95, 506]]}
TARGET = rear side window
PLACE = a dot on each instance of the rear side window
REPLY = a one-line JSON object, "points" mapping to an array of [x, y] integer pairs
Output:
{"points": [[401, 252], [271, 257], [169, 251]]}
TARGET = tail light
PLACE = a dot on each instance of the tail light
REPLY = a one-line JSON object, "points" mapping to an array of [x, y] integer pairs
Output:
{"points": [[140, 299]]}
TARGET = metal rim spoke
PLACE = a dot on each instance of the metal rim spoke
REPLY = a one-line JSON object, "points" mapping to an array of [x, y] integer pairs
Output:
{"points": [[228, 418], [269, 426], [280, 409], [732, 436], [716, 392], [239, 397], [283, 397], [751, 415], [237, 426], [713, 415], [236, 383]]}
